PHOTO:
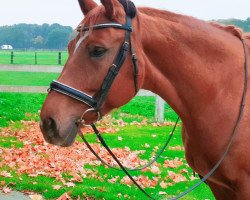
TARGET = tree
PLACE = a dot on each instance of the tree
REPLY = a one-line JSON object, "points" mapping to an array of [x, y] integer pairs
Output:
{"points": [[30, 36], [38, 41], [57, 39]]}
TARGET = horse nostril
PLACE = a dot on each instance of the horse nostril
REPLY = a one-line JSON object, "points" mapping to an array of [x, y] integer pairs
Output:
{"points": [[49, 127]]}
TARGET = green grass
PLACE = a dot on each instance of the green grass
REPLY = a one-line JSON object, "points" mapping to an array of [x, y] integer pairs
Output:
{"points": [[26, 78], [8, 142], [140, 108], [19, 106], [25, 106], [28, 57], [133, 137]]}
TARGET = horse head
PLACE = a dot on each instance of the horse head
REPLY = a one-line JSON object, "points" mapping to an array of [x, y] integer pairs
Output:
{"points": [[92, 71]]}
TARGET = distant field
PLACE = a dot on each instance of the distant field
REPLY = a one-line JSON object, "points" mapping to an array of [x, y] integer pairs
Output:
{"points": [[27, 78], [33, 57]]}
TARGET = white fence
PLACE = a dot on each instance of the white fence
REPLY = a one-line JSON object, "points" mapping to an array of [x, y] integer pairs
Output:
{"points": [[159, 103]]}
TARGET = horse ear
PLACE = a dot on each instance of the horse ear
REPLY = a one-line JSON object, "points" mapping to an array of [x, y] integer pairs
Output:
{"points": [[87, 5], [112, 7]]}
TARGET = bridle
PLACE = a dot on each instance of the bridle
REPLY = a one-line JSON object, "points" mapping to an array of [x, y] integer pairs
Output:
{"points": [[95, 103]]}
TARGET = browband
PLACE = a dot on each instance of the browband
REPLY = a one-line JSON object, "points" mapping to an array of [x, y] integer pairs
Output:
{"points": [[80, 28]]}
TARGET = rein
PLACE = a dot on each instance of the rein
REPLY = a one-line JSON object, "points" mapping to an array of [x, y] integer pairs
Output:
{"points": [[98, 99], [134, 169]]}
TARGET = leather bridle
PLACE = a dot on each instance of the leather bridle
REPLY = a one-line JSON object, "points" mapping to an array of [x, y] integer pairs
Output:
{"points": [[96, 102]]}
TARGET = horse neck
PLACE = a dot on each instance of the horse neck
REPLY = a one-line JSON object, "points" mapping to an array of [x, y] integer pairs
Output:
{"points": [[191, 64]]}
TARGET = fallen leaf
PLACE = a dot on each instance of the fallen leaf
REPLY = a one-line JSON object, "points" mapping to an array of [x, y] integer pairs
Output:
{"points": [[173, 163], [176, 177], [70, 184], [162, 193], [2, 183], [113, 180], [163, 184], [56, 187], [65, 196], [36, 197], [193, 178], [6, 174], [119, 195], [184, 171], [176, 148], [126, 180], [6, 190], [155, 170]]}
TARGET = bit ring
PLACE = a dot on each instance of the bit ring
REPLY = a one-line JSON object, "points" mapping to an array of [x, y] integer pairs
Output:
{"points": [[83, 122]]}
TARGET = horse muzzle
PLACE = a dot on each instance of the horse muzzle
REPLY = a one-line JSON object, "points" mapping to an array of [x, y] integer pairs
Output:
{"points": [[91, 115], [56, 134]]}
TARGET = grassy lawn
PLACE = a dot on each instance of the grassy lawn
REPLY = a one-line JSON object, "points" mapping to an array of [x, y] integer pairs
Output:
{"points": [[99, 187], [28, 57], [26, 107], [26, 78], [19, 106], [15, 107]]}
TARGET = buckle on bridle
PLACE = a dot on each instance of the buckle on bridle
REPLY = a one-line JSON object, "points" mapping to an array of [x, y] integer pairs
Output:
{"points": [[84, 122]]}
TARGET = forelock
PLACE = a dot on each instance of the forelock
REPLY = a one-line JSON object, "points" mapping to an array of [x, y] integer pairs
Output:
{"points": [[129, 7]]}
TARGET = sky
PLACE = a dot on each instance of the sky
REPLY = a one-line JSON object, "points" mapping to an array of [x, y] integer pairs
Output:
{"points": [[67, 12]]}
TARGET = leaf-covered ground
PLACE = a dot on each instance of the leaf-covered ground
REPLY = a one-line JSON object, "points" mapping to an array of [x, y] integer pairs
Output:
{"points": [[28, 163]]}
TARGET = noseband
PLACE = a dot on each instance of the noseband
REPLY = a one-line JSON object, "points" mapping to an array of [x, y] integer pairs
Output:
{"points": [[96, 102]]}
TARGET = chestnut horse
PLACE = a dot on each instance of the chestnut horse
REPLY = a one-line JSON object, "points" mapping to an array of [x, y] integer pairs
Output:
{"points": [[195, 66]]}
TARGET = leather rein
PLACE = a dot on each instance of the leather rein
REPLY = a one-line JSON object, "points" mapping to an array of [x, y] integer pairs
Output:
{"points": [[98, 99]]}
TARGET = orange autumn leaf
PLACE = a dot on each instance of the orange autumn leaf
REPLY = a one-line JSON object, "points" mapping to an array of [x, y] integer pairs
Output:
{"points": [[173, 163], [176, 177], [56, 187], [65, 196], [36, 197], [37, 157], [6, 190]]}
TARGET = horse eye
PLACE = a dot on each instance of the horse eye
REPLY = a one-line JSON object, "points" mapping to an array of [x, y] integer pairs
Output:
{"points": [[97, 52]]}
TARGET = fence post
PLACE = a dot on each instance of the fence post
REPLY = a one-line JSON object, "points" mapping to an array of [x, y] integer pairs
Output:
{"points": [[59, 58], [11, 57], [35, 58], [159, 109]]}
